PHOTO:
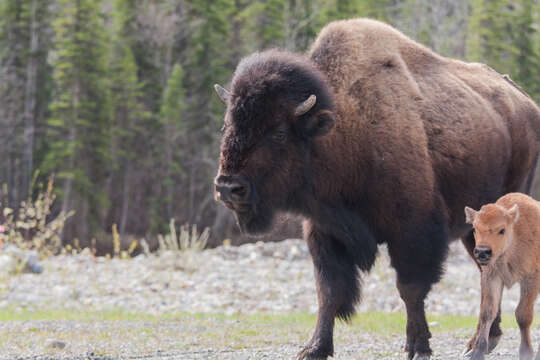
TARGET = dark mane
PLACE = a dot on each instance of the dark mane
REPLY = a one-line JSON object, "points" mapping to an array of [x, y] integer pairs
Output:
{"points": [[265, 88], [278, 74]]}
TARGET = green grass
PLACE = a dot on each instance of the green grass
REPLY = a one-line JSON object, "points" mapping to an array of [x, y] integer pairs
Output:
{"points": [[376, 322], [145, 332], [18, 314]]}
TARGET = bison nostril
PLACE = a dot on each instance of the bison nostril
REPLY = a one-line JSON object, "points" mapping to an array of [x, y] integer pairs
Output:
{"points": [[239, 192], [482, 254], [232, 190]]}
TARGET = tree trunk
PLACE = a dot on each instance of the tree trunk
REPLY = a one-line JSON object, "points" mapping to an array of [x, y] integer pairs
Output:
{"points": [[125, 200], [30, 105], [68, 185]]}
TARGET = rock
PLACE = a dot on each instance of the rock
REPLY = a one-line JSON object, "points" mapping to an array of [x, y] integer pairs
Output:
{"points": [[62, 292], [7, 264], [30, 259], [55, 344]]}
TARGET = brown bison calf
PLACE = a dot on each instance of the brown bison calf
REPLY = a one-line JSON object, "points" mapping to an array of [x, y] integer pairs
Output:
{"points": [[507, 236]]}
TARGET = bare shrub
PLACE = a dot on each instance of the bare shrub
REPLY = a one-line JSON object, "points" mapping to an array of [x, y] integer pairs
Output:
{"points": [[31, 226]]}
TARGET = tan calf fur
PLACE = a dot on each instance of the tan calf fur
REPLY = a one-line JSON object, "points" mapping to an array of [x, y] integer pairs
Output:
{"points": [[507, 247]]}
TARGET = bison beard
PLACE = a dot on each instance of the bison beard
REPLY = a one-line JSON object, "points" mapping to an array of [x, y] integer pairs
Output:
{"points": [[372, 138]]}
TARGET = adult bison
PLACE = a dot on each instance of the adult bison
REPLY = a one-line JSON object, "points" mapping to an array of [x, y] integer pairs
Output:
{"points": [[372, 138]]}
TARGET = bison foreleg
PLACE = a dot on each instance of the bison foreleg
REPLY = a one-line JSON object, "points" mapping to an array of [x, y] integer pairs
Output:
{"points": [[418, 334], [338, 289], [492, 287], [495, 331]]}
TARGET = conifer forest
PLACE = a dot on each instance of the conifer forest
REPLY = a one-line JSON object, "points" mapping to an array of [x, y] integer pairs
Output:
{"points": [[115, 99]]}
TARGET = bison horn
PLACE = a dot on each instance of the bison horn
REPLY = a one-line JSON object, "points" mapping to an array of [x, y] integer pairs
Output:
{"points": [[223, 94], [305, 106]]}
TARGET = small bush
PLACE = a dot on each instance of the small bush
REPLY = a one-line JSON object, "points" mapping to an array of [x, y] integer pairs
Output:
{"points": [[31, 226], [187, 241], [179, 250]]}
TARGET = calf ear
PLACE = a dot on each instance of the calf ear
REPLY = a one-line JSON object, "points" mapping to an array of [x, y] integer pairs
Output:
{"points": [[514, 213], [319, 124], [470, 214]]}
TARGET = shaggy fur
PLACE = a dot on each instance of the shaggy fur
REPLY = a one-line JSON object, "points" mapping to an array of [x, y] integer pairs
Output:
{"points": [[510, 230], [399, 141]]}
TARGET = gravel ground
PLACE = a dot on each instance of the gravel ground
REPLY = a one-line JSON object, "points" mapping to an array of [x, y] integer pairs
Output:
{"points": [[249, 279], [252, 278]]}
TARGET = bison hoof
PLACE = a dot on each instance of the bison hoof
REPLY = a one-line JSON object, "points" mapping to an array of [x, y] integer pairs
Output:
{"points": [[492, 343], [312, 352], [467, 353], [419, 356], [473, 355]]}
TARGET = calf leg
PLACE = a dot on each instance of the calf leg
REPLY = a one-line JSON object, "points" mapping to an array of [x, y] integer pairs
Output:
{"points": [[338, 289], [524, 315], [492, 287], [495, 331]]}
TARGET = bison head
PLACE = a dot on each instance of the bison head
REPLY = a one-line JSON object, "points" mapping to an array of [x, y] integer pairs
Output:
{"points": [[493, 230], [277, 108]]}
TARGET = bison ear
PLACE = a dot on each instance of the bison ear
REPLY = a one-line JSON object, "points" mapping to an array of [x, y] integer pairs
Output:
{"points": [[319, 124], [513, 213], [470, 214]]}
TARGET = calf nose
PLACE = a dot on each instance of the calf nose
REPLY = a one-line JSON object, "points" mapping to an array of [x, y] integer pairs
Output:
{"points": [[232, 189], [482, 254]]}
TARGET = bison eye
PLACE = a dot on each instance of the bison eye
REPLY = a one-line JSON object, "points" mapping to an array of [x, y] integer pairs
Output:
{"points": [[501, 232], [279, 136]]}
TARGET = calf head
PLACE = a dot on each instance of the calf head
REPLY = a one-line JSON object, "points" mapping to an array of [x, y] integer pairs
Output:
{"points": [[277, 106], [493, 230]]}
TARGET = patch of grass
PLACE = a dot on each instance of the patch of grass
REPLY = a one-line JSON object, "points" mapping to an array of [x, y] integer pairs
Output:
{"points": [[204, 331], [22, 314], [377, 322]]}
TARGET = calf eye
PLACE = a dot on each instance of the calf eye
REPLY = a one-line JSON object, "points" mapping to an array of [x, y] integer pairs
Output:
{"points": [[501, 232]]}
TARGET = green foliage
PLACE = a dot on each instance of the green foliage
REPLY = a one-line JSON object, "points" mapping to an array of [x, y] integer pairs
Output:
{"points": [[172, 104], [125, 113], [490, 28], [78, 122], [502, 34], [526, 71], [208, 55], [270, 23]]}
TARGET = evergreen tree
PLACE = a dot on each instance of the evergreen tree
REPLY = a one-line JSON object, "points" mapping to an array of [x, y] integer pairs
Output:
{"points": [[271, 23], [78, 122], [383, 10], [127, 149], [23, 54], [206, 65], [526, 71], [172, 107], [490, 34]]}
